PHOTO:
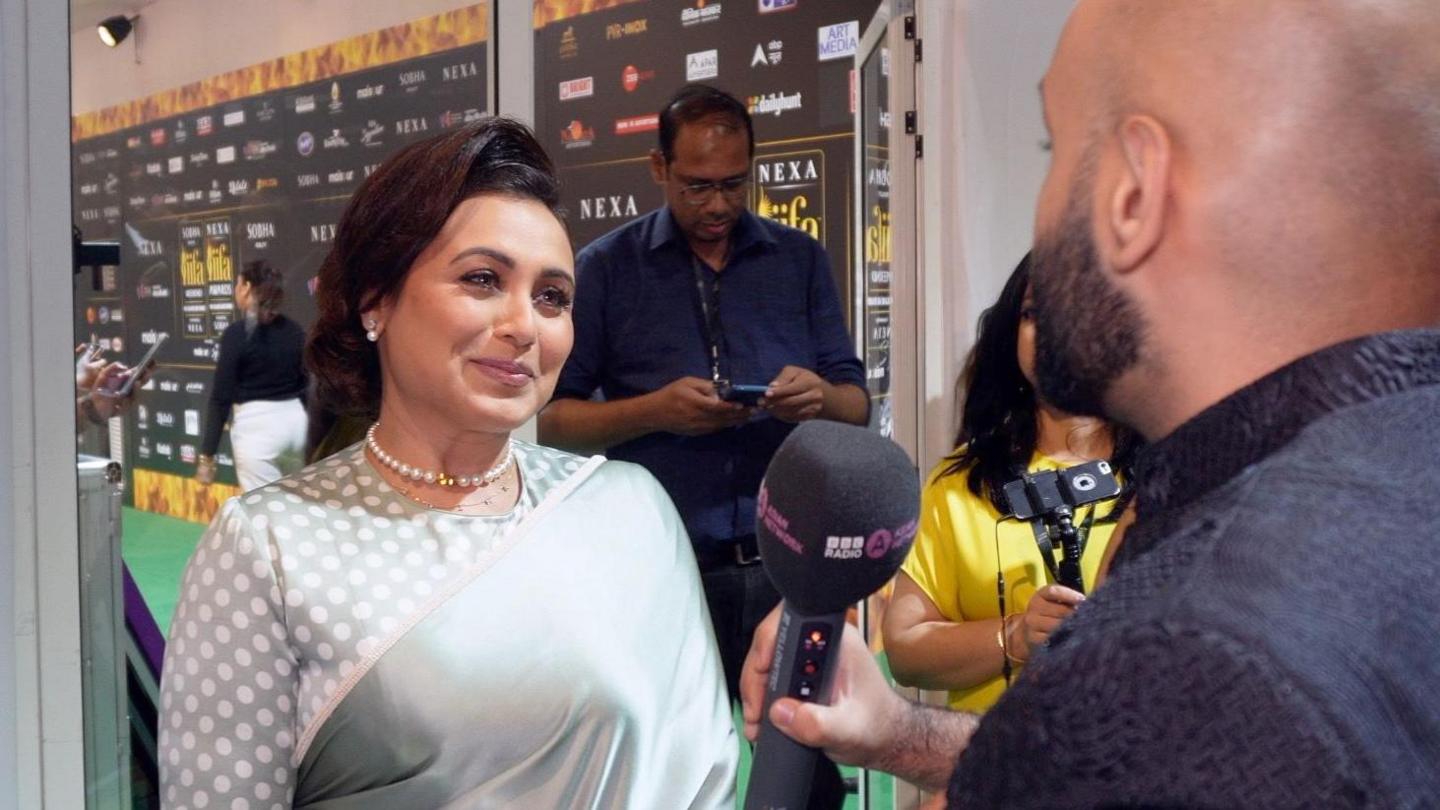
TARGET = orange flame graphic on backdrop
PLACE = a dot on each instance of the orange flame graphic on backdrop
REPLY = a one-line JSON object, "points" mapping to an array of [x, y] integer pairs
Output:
{"points": [[549, 11], [442, 32], [179, 496]]}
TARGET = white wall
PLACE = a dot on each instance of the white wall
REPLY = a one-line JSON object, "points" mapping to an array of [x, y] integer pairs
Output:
{"points": [[41, 763], [514, 41], [11, 32], [980, 115]]}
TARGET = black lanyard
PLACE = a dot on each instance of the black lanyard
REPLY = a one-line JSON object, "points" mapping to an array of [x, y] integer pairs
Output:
{"points": [[707, 294], [1047, 548]]}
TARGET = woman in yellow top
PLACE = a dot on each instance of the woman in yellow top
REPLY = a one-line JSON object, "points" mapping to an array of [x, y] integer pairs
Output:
{"points": [[943, 628]]}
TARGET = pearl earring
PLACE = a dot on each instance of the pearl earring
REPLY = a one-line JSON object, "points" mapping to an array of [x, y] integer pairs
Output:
{"points": [[372, 335]]}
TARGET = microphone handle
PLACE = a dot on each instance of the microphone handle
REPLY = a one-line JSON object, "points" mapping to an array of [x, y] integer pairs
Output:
{"points": [[807, 651]]}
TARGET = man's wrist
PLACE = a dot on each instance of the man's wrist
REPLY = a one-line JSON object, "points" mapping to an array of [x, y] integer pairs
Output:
{"points": [[922, 743]]}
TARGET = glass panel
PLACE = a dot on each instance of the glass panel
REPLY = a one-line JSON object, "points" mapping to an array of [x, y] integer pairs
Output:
{"points": [[874, 310], [876, 241]]}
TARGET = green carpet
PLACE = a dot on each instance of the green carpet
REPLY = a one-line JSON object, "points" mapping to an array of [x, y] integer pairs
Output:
{"points": [[157, 548]]}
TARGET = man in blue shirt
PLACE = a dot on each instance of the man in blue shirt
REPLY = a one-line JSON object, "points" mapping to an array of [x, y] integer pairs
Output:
{"points": [[674, 309]]}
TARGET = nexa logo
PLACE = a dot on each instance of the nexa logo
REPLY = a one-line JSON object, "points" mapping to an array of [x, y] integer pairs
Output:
{"points": [[410, 126], [322, 233], [778, 172], [614, 206], [218, 228], [844, 548], [464, 70], [255, 231]]}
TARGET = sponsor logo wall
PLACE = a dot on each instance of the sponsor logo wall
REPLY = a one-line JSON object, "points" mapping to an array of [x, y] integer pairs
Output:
{"points": [[788, 61], [193, 197]]}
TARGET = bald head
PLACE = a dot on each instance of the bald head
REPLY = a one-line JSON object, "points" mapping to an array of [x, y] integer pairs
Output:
{"points": [[1319, 108], [1234, 184]]}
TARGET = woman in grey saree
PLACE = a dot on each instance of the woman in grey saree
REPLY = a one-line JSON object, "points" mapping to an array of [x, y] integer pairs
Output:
{"points": [[485, 623]]}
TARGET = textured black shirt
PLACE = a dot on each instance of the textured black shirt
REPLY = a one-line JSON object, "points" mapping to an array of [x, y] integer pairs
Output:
{"points": [[1270, 636], [267, 364]]}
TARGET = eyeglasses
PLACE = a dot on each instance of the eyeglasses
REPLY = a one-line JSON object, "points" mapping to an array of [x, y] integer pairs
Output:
{"points": [[698, 194]]}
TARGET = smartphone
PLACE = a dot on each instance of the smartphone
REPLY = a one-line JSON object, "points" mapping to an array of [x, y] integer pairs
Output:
{"points": [[747, 395], [1044, 492], [128, 379]]}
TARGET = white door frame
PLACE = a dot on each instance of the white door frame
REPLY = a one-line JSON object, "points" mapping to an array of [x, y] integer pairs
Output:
{"points": [[41, 728]]}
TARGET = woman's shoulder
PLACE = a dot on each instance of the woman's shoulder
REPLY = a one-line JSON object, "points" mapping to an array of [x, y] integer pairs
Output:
{"points": [[601, 474], [330, 474], [330, 489], [600, 469], [950, 473]]}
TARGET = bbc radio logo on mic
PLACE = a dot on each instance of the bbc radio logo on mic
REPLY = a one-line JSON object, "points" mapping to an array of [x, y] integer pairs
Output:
{"points": [[877, 545], [844, 548]]}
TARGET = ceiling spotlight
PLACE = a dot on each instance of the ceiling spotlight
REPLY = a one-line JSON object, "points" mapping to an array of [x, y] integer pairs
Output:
{"points": [[114, 30]]}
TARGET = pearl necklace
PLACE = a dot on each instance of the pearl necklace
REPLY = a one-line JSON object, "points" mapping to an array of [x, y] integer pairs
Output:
{"points": [[442, 478]]}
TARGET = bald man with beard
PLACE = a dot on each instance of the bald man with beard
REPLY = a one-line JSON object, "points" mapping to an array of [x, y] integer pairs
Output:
{"points": [[1237, 254]]}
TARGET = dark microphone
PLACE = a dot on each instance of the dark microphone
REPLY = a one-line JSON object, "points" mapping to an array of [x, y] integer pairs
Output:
{"points": [[835, 518]]}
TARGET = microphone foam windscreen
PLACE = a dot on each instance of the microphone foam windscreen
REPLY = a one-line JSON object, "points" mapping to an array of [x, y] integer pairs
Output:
{"points": [[836, 515]]}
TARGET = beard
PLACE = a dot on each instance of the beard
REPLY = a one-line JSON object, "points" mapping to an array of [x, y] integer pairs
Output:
{"points": [[1087, 333]]}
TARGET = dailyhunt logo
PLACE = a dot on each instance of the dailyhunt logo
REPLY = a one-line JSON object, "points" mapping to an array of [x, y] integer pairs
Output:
{"points": [[844, 548]]}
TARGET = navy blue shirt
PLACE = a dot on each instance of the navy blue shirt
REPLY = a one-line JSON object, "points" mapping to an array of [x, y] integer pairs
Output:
{"points": [[638, 327]]}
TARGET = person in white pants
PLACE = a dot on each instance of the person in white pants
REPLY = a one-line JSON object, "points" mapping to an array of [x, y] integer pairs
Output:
{"points": [[260, 376]]}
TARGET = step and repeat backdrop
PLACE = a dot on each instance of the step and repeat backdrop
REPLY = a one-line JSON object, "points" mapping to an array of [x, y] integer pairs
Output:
{"points": [[254, 164], [604, 68]]}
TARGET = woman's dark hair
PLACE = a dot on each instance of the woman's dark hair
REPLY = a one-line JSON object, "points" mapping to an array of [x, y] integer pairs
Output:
{"points": [[997, 433], [389, 221], [694, 102], [267, 288]]}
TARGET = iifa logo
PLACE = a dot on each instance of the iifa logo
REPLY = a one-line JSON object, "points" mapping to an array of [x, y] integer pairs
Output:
{"points": [[790, 189], [878, 240]]}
